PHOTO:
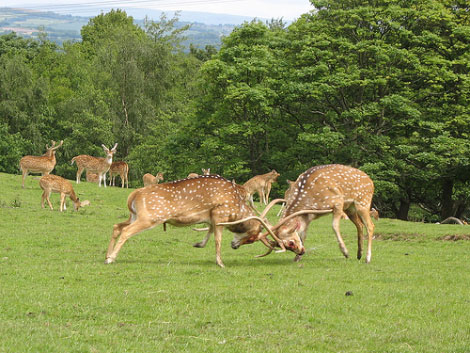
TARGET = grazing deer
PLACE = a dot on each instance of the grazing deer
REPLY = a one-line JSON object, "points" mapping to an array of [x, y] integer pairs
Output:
{"points": [[326, 189], [195, 175], [209, 199], [98, 165], [149, 179], [261, 184], [39, 164], [52, 183], [121, 168]]}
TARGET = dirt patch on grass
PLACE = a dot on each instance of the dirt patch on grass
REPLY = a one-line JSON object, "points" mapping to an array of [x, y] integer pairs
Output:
{"points": [[416, 236], [454, 237], [397, 236]]}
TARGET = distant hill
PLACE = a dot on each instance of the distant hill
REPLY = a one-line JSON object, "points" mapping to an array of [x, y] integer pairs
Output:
{"points": [[206, 29]]}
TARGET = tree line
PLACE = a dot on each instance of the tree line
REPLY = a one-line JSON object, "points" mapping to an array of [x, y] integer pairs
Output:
{"points": [[381, 85]]}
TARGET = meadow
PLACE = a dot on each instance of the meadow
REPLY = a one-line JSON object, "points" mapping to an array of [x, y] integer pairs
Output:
{"points": [[163, 295]]}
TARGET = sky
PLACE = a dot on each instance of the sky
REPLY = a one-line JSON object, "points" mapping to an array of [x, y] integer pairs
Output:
{"points": [[286, 9]]}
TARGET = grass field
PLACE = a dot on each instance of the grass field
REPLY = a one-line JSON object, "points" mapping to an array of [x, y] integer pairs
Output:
{"points": [[163, 295]]}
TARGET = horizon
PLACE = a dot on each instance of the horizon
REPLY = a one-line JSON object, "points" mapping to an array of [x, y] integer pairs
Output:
{"points": [[263, 9]]}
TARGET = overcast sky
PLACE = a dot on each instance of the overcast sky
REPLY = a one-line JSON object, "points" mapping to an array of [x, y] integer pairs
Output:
{"points": [[287, 9]]}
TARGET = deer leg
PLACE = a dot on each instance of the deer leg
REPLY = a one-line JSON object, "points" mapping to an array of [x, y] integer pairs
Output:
{"points": [[79, 174], [25, 174], [127, 230], [359, 227], [218, 243], [203, 243], [364, 214], [337, 212], [62, 202], [48, 195], [268, 191]]}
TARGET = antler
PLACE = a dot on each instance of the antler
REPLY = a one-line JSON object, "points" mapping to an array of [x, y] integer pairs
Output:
{"points": [[265, 225], [53, 147], [270, 205]]}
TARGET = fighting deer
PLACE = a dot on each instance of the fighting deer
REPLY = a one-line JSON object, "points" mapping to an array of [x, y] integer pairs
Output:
{"points": [[209, 199], [52, 183], [195, 175], [321, 190], [98, 165], [149, 179], [39, 164], [119, 168], [261, 184]]}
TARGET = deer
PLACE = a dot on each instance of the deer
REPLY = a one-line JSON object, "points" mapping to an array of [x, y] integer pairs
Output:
{"points": [[195, 175], [53, 183], [149, 179], [325, 189], [261, 184], [98, 165], [40, 164], [121, 168], [92, 177], [207, 199]]}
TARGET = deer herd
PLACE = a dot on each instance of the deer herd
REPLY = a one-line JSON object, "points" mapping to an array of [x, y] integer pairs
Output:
{"points": [[343, 191]]}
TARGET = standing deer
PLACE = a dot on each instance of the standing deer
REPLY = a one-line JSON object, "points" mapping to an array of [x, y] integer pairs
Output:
{"points": [[209, 199], [98, 165], [119, 168], [261, 184], [332, 188], [52, 183], [39, 164], [195, 175], [149, 179]]}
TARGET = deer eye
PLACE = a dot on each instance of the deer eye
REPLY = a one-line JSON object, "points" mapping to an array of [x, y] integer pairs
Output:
{"points": [[291, 243]]}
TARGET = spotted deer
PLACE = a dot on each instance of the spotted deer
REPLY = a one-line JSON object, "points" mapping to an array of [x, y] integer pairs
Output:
{"points": [[52, 183], [261, 184], [208, 199], [39, 164], [98, 165], [195, 175], [119, 168], [320, 190], [149, 179]]}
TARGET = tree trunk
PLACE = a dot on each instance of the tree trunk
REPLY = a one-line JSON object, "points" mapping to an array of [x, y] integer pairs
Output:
{"points": [[447, 209], [403, 210]]}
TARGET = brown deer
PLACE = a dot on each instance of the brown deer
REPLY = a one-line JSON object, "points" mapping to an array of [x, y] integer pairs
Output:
{"points": [[261, 184], [149, 179], [98, 165], [326, 189], [52, 183], [92, 177], [39, 164], [209, 199], [119, 168], [195, 175]]}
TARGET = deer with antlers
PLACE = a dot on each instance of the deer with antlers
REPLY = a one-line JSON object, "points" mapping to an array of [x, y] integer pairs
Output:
{"points": [[209, 199], [52, 183], [98, 165], [321, 190], [119, 168], [261, 184], [149, 179], [39, 164]]}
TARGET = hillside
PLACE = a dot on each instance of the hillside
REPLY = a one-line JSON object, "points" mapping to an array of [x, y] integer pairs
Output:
{"points": [[60, 28]]}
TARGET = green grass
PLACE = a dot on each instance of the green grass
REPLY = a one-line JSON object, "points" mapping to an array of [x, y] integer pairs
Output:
{"points": [[163, 295]]}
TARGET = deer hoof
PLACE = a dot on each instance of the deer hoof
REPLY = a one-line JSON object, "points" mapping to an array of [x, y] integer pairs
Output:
{"points": [[109, 260], [198, 245]]}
